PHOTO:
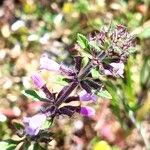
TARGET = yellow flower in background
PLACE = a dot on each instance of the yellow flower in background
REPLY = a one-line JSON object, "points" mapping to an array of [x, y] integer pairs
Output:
{"points": [[101, 145], [68, 8], [29, 6]]}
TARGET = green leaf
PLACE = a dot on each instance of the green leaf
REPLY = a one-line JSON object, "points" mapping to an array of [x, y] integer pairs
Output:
{"points": [[36, 146], [95, 73], [8, 145], [85, 61], [60, 80], [27, 145], [40, 147], [32, 94], [104, 94], [83, 42]]}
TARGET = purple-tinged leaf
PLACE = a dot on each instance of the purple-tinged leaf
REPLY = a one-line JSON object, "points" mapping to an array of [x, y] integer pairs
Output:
{"points": [[72, 98], [65, 92], [94, 84], [78, 62], [68, 110], [85, 86], [48, 94], [62, 91]]}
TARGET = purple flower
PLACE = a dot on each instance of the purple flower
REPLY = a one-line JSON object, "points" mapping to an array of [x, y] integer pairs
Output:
{"points": [[48, 64], [84, 96], [107, 72], [33, 124], [87, 111], [37, 80], [118, 69]]}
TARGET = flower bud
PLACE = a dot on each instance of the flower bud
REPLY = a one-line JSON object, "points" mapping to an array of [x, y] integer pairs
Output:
{"points": [[33, 124], [37, 80], [48, 64], [87, 111]]}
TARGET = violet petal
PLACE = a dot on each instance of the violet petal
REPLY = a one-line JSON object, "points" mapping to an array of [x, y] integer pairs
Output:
{"points": [[34, 123], [87, 111], [37, 80]]}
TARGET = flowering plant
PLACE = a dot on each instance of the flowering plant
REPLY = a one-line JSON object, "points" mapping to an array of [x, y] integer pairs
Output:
{"points": [[106, 52]]}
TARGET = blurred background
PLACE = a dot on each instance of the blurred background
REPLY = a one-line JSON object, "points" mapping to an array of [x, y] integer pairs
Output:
{"points": [[29, 28]]}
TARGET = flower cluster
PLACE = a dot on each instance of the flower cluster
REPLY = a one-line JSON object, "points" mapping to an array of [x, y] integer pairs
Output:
{"points": [[107, 57], [117, 44]]}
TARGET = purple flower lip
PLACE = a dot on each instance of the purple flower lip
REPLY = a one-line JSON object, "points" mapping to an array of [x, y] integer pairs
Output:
{"points": [[87, 111], [118, 69], [48, 64], [84, 96], [37, 80], [33, 124]]}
